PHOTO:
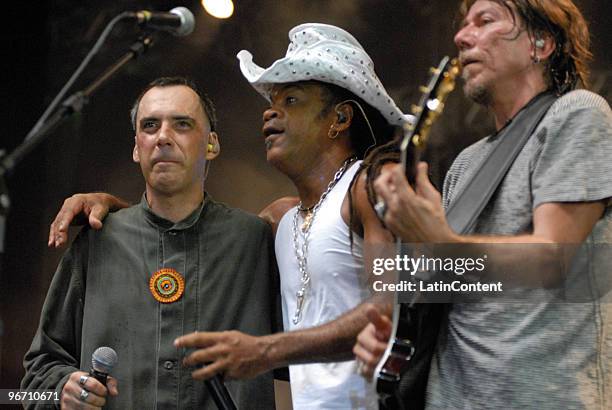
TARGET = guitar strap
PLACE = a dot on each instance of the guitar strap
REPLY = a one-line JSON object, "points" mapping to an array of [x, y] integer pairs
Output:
{"points": [[420, 322], [469, 203]]}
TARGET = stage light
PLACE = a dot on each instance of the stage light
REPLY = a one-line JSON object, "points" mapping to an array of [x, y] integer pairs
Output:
{"points": [[220, 9]]}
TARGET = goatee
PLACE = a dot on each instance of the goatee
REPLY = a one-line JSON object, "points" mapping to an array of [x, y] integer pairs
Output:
{"points": [[478, 93]]}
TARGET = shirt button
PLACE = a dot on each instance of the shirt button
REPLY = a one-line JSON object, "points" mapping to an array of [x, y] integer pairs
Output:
{"points": [[168, 365], [173, 233]]}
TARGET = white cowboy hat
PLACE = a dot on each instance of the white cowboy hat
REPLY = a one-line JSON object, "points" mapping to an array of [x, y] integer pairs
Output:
{"points": [[328, 54]]}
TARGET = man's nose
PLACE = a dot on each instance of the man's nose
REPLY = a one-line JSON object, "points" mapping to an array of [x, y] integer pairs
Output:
{"points": [[165, 135], [270, 113], [465, 38]]}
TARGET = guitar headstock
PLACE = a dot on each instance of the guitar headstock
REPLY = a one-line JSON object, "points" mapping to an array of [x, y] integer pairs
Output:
{"points": [[430, 106]]}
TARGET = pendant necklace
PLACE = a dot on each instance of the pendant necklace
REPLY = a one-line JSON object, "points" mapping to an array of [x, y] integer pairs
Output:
{"points": [[301, 252]]}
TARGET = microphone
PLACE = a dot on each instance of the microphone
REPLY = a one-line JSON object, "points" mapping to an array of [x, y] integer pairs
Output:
{"points": [[178, 21], [102, 362], [219, 392]]}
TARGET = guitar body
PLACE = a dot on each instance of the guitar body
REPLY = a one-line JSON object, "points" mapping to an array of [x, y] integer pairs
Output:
{"points": [[415, 325], [419, 325]]}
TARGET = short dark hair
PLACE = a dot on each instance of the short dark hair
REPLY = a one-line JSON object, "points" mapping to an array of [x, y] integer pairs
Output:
{"points": [[562, 20], [360, 135], [205, 101]]}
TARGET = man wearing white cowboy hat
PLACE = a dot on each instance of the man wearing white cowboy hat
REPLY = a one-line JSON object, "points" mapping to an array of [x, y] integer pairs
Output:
{"points": [[328, 108]]}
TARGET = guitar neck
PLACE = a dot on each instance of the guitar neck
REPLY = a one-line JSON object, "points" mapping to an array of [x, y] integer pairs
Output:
{"points": [[399, 351]]}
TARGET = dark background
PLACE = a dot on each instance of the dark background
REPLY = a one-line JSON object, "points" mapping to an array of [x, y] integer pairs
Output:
{"points": [[46, 40]]}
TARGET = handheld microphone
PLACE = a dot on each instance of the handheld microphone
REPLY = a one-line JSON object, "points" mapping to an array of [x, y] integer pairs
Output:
{"points": [[178, 21], [102, 362]]}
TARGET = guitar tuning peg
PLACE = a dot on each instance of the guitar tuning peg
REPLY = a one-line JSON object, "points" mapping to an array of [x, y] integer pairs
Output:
{"points": [[415, 109], [416, 140], [423, 89]]}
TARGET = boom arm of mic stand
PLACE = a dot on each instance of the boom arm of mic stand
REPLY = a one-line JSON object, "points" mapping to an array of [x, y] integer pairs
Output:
{"points": [[5, 205], [71, 105]]}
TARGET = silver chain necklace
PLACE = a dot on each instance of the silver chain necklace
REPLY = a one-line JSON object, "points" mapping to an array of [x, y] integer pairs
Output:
{"points": [[302, 254]]}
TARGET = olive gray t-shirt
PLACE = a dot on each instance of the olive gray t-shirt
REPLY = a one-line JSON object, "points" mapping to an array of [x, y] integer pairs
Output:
{"points": [[537, 354]]}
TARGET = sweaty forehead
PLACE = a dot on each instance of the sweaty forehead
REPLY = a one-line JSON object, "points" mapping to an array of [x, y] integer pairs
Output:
{"points": [[172, 101]]}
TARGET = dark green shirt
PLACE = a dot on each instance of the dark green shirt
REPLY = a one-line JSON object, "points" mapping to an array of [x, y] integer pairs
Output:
{"points": [[100, 296]]}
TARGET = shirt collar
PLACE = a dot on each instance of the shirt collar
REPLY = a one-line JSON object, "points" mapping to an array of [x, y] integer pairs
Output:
{"points": [[167, 225]]}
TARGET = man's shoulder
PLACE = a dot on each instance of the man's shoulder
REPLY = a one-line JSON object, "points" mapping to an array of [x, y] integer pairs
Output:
{"points": [[233, 216], [123, 215], [275, 211], [116, 225], [579, 117], [467, 154], [578, 100]]}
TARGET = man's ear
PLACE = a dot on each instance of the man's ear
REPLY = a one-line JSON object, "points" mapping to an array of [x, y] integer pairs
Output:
{"points": [[135, 154], [344, 117], [213, 148], [543, 46]]}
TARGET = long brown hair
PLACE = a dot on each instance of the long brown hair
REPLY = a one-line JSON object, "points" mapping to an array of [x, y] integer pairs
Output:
{"points": [[562, 20]]}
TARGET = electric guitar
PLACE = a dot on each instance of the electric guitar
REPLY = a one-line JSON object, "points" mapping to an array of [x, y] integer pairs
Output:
{"points": [[400, 350]]}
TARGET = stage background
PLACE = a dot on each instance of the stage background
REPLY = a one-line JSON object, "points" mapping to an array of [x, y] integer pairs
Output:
{"points": [[91, 152]]}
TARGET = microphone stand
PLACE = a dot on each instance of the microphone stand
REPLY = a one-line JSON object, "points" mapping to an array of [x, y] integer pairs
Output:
{"points": [[71, 105]]}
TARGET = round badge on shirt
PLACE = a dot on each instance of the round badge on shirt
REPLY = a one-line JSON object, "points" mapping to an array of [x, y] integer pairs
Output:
{"points": [[167, 285]]}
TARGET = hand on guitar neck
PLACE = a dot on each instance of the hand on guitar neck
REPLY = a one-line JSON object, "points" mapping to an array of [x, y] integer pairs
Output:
{"points": [[423, 203]]}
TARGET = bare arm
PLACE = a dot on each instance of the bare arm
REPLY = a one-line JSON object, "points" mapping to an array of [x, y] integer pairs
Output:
{"points": [[93, 206], [238, 355]]}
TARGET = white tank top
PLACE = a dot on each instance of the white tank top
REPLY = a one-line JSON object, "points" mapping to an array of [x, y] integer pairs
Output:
{"points": [[337, 284]]}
